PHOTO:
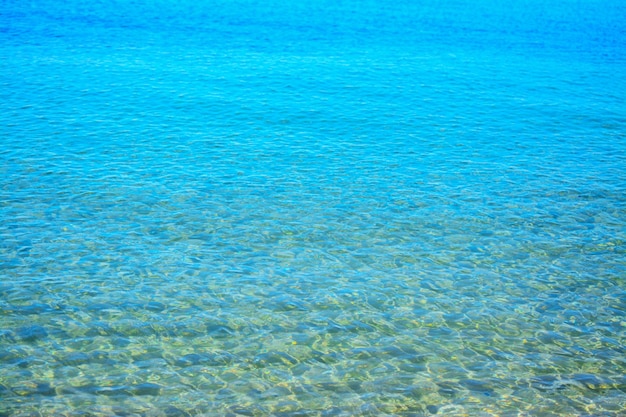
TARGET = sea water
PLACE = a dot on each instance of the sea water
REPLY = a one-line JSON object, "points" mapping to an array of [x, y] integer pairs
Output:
{"points": [[312, 208]]}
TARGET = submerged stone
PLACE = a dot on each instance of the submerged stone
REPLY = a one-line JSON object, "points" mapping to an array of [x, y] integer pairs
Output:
{"points": [[147, 388], [32, 333]]}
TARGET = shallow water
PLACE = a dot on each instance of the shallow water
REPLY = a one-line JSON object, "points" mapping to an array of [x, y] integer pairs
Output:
{"points": [[320, 208]]}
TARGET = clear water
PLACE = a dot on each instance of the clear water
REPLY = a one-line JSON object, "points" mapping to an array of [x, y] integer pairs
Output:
{"points": [[312, 208]]}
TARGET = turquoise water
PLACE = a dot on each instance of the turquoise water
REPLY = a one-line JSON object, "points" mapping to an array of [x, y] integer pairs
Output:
{"points": [[312, 208]]}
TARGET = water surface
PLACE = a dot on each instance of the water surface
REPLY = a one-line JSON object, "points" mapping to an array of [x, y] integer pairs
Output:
{"points": [[312, 208]]}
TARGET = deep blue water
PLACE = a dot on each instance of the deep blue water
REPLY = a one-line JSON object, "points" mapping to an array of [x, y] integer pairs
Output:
{"points": [[324, 208]]}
